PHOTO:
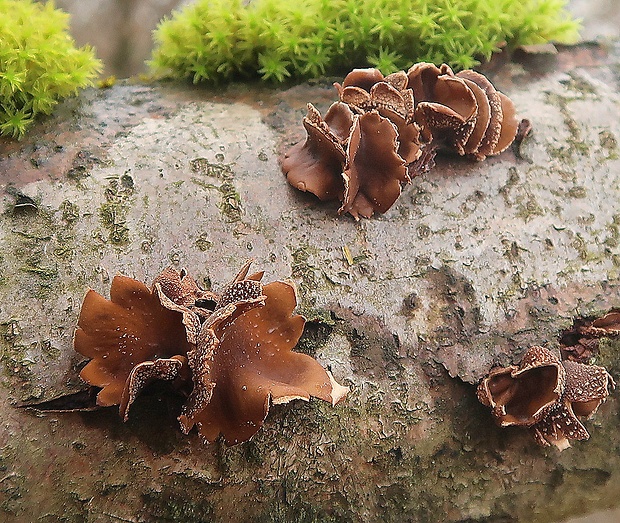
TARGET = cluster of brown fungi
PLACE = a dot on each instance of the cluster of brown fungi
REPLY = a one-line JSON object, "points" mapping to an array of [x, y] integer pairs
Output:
{"points": [[385, 130], [229, 354], [548, 394]]}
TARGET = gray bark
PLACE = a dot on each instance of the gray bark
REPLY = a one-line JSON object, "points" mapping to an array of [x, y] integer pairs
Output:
{"points": [[473, 264]]}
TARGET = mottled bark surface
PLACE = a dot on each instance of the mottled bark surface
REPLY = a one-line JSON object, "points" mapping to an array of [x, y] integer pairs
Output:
{"points": [[473, 264]]}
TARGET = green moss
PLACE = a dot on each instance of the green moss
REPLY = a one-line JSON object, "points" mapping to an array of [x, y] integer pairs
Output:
{"points": [[49, 351], [219, 40], [39, 63], [106, 83], [207, 168]]}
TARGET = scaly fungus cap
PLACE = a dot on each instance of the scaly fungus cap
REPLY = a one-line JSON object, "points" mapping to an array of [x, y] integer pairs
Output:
{"points": [[587, 386], [607, 325], [547, 395]]}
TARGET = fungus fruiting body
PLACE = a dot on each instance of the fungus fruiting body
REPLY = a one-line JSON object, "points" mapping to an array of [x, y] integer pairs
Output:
{"points": [[385, 130], [464, 112], [524, 394], [118, 334], [546, 395], [581, 342], [229, 354]]}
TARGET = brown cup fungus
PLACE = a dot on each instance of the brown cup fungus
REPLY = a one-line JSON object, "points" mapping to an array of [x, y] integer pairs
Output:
{"points": [[384, 131], [229, 354], [581, 342], [546, 395]]}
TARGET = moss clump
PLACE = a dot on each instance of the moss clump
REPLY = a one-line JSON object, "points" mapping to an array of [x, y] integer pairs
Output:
{"points": [[39, 63], [218, 40]]}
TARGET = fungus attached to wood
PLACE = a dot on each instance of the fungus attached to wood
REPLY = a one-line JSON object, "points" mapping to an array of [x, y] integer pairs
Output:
{"points": [[587, 386], [364, 150], [445, 107], [581, 342], [463, 111], [315, 165], [253, 366], [374, 170], [605, 326], [546, 395], [129, 329], [522, 395], [230, 354], [410, 115]]}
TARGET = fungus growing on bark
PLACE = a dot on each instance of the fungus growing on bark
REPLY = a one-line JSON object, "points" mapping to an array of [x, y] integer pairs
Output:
{"points": [[580, 343], [546, 395], [253, 367], [230, 354], [384, 131], [522, 395], [365, 148], [445, 108], [605, 326], [463, 112], [374, 170], [587, 386], [131, 328], [316, 164]]}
